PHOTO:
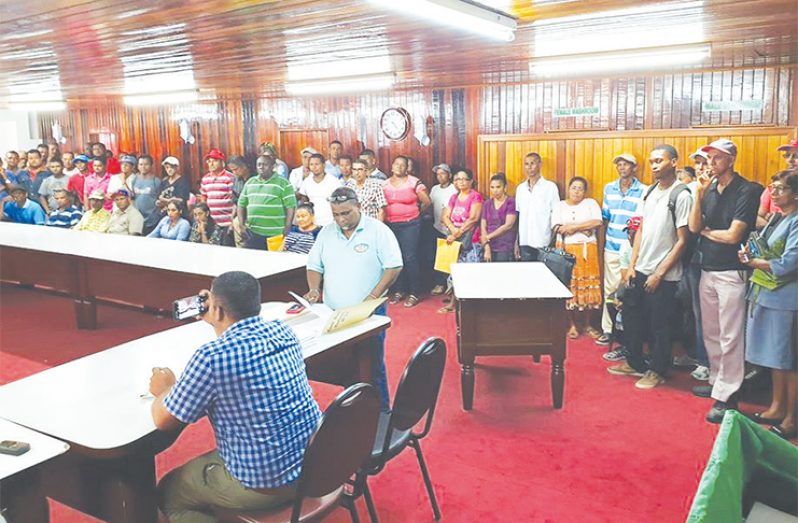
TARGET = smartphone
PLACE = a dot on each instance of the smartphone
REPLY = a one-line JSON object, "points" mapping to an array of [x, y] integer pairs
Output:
{"points": [[15, 448], [295, 308], [187, 308], [754, 248], [745, 257]]}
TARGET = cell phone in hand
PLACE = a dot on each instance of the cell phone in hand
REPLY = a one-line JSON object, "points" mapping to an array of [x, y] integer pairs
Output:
{"points": [[295, 308], [14, 448], [187, 308]]}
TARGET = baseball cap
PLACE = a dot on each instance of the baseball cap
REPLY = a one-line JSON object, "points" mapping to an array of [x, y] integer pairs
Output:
{"points": [[633, 223], [121, 192], [627, 157], [723, 145], [216, 154], [171, 160], [443, 166], [81, 158], [310, 150], [699, 154], [97, 194], [792, 144], [127, 158]]}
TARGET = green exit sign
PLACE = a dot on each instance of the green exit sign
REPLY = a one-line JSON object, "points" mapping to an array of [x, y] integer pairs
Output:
{"points": [[564, 112], [732, 105]]}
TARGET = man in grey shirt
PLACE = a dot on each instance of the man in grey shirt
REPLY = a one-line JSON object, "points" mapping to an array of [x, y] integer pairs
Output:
{"points": [[145, 187]]}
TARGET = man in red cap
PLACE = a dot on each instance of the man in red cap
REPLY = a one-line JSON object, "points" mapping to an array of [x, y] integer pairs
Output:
{"points": [[216, 189], [766, 206], [723, 215]]}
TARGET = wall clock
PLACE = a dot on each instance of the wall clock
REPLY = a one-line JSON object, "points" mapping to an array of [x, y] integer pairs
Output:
{"points": [[395, 123]]}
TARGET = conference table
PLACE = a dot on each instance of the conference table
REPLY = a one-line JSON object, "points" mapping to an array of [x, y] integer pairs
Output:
{"points": [[148, 272], [21, 496], [100, 405], [509, 309]]}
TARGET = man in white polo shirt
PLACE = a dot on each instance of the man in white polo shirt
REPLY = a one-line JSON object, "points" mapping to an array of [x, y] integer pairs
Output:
{"points": [[534, 201]]}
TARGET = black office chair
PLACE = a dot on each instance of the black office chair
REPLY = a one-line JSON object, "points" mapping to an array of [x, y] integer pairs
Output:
{"points": [[337, 449], [416, 396]]}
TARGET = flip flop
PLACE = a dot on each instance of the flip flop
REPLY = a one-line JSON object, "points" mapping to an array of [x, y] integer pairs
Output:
{"points": [[411, 301], [445, 310], [784, 433]]}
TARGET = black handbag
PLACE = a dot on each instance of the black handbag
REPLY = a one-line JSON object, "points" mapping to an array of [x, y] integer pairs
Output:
{"points": [[559, 262]]}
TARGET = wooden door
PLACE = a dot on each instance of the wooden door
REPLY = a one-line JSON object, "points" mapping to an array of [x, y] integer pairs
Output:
{"points": [[292, 141]]}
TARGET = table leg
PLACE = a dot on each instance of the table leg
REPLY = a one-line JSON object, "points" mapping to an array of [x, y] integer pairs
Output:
{"points": [[129, 495], [536, 358], [23, 499], [467, 385], [557, 381], [86, 314]]}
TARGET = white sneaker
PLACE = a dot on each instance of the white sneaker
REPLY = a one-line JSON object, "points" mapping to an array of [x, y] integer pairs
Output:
{"points": [[684, 360], [700, 373]]}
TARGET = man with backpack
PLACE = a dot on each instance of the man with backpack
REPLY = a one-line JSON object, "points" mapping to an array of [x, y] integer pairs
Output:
{"points": [[654, 272]]}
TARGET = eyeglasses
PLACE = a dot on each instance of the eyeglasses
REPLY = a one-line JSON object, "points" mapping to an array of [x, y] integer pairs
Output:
{"points": [[461, 179], [777, 189], [341, 198]]}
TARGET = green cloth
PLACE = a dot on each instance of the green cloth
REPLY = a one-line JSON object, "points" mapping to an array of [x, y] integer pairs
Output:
{"points": [[266, 202], [767, 279], [742, 449]]}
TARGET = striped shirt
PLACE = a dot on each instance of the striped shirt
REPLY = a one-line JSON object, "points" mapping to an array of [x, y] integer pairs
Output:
{"points": [[300, 241], [266, 202], [66, 218], [251, 383], [218, 192], [617, 208]]}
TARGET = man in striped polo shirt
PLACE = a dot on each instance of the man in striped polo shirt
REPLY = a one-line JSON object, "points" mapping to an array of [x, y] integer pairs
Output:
{"points": [[266, 205], [216, 189], [620, 202]]}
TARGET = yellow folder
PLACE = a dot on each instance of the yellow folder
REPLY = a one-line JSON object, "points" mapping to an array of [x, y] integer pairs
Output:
{"points": [[274, 243], [446, 254]]}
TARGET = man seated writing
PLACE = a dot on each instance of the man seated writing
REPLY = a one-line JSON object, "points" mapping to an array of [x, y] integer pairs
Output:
{"points": [[251, 383]]}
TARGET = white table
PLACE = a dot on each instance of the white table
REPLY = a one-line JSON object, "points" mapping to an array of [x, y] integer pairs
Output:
{"points": [[506, 309], [20, 485], [137, 270], [95, 403]]}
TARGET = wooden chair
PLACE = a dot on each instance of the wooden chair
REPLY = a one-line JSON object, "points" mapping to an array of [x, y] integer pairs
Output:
{"points": [[340, 446]]}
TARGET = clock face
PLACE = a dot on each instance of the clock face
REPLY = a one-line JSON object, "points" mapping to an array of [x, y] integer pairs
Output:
{"points": [[395, 123]]}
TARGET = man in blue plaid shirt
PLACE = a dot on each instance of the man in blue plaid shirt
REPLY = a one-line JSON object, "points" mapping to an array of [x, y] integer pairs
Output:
{"points": [[251, 383]]}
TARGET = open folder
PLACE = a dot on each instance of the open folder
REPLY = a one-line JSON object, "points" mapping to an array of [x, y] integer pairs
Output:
{"points": [[341, 318]]}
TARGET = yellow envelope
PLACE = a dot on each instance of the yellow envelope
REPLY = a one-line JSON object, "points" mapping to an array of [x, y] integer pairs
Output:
{"points": [[445, 255], [274, 243]]}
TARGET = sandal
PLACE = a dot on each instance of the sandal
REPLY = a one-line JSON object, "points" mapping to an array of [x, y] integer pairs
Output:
{"points": [[784, 433], [411, 301], [758, 418], [593, 333], [396, 298], [573, 333], [438, 290], [445, 310]]}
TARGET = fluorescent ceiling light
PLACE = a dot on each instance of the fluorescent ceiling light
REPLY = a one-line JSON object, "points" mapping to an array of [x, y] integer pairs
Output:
{"points": [[461, 14], [164, 98], [338, 68], [33, 106], [342, 85], [28, 34], [159, 83], [640, 59], [676, 8]]}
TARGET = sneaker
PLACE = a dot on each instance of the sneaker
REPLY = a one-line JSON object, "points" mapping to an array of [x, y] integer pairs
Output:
{"points": [[718, 410], [604, 339], [701, 373], [615, 355], [649, 380], [703, 391], [624, 369], [684, 361]]}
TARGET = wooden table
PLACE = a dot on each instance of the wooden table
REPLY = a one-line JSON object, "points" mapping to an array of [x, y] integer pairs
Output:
{"points": [[136, 270], [21, 497], [95, 404], [507, 309]]}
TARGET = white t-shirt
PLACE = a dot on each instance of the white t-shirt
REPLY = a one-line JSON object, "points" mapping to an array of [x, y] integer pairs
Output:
{"points": [[534, 209], [296, 177], [440, 200], [659, 232], [318, 193], [586, 210], [71, 172]]}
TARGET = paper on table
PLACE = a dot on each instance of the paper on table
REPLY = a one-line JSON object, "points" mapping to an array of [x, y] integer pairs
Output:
{"points": [[446, 254], [341, 318]]}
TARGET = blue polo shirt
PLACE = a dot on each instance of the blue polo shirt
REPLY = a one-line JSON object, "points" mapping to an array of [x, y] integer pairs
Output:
{"points": [[617, 208], [31, 213], [352, 266]]}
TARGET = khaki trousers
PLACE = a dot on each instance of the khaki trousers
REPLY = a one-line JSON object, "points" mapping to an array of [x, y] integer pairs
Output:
{"points": [[722, 295], [612, 278], [188, 492]]}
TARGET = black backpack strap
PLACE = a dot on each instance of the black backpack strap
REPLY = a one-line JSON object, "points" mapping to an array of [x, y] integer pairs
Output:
{"points": [[674, 197]]}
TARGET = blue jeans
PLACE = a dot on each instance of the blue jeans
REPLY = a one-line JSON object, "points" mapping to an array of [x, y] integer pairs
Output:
{"points": [[378, 375], [255, 241], [407, 234], [528, 254], [691, 277]]}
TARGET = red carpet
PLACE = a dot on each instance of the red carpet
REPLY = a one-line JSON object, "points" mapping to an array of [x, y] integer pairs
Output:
{"points": [[613, 453]]}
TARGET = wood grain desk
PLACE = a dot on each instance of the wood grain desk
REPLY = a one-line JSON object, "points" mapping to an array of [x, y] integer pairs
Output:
{"points": [[21, 496], [507, 309], [95, 404], [137, 270]]}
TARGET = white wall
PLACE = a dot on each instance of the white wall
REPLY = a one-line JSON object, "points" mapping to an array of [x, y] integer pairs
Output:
{"points": [[19, 130]]}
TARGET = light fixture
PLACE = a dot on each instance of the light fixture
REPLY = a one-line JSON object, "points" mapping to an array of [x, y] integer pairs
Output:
{"points": [[368, 82], [335, 67], [461, 14], [35, 106], [163, 98], [631, 61]]}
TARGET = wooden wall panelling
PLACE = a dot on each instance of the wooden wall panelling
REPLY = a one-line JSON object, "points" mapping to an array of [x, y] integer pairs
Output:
{"points": [[590, 155]]}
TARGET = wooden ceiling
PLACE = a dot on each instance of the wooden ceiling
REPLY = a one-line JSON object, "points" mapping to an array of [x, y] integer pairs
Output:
{"points": [[98, 48]]}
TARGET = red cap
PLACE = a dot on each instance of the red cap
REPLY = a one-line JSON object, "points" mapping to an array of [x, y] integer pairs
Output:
{"points": [[216, 154], [792, 144], [633, 224]]}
